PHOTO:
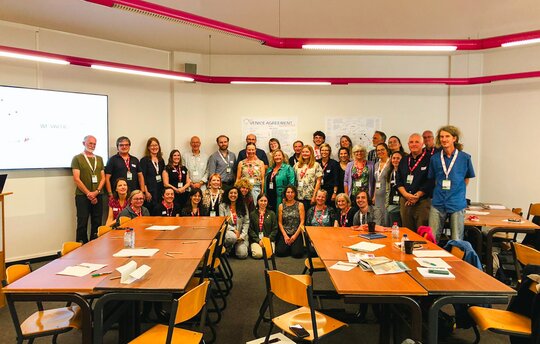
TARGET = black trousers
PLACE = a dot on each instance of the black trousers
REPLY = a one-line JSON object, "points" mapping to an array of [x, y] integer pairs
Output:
{"points": [[296, 249], [86, 210]]}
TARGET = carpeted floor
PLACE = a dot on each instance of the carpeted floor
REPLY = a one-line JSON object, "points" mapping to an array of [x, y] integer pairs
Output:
{"points": [[242, 310]]}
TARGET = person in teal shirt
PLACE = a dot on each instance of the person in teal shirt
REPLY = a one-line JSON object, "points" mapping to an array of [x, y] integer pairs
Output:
{"points": [[278, 177]]}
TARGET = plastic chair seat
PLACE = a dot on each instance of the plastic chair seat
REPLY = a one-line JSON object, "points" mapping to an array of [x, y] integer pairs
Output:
{"points": [[317, 264], [302, 316], [501, 321], [52, 320], [158, 334]]}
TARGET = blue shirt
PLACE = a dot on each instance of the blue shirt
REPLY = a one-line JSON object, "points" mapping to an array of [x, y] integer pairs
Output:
{"points": [[454, 199]]}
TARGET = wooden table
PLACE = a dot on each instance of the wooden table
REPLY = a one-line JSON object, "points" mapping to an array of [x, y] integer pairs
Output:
{"points": [[495, 220], [469, 286], [169, 275]]}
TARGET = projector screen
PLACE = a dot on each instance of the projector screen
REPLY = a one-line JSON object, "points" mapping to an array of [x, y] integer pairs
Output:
{"points": [[45, 129]]}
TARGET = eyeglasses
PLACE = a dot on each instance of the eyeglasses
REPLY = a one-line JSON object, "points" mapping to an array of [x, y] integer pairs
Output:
{"points": [[124, 145], [138, 199]]}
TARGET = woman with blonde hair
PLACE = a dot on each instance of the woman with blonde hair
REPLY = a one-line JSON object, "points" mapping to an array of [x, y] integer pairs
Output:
{"points": [[278, 176], [245, 188], [359, 174], [135, 207], [308, 176]]}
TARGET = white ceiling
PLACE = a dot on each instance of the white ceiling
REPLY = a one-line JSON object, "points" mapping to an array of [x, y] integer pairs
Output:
{"points": [[451, 19]]}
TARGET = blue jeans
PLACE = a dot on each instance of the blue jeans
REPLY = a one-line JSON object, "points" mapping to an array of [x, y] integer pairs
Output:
{"points": [[255, 192], [457, 219]]}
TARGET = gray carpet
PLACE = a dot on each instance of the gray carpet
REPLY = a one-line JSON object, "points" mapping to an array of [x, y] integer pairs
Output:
{"points": [[243, 304]]}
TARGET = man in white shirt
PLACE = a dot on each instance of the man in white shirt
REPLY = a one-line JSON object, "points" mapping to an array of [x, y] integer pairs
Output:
{"points": [[196, 162]]}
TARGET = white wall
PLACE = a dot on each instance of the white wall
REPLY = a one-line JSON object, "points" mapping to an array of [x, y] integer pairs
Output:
{"points": [[41, 214]]}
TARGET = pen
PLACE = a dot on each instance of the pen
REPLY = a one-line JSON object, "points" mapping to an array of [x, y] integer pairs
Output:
{"points": [[355, 249], [116, 277], [102, 273], [169, 255], [190, 242], [347, 264], [173, 252], [429, 263]]}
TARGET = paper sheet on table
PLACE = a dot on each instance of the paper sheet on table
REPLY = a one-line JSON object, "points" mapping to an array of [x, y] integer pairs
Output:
{"points": [[387, 268], [433, 263], [136, 252], [162, 228], [366, 246], [425, 273], [343, 266], [506, 220], [495, 206], [130, 273], [432, 253], [474, 212], [81, 270], [355, 257]]}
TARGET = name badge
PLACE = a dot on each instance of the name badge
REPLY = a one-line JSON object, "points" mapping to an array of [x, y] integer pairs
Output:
{"points": [[133, 165], [271, 185], [129, 175], [358, 183], [212, 213], [256, 167], [395, 199], [378, 185], [300, 184], [164, 212], [410, 178], [261, 235], [252, 181], [423, 168], [158, 178], [322, 181], [183, 172], [327, 171], [195, 173], [446, 184], [94, 179], [115, 209], [228, 170], [180, 184]]}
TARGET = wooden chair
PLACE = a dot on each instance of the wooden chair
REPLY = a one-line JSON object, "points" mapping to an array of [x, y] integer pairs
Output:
{"points": [[534, 210], [102, 230], [123, 219], [295, 292], [507, 322], [69, 246], [524, 255], [50, 322], [268, 256], [456, 251], [183, 309], [312, 264]]}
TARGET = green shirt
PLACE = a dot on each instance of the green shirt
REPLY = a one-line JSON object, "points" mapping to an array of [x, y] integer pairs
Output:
{"points": [[80, 163]]}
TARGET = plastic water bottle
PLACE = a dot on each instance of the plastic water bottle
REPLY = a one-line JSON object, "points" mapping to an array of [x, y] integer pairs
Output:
{"points": [[395, 231], [127, 238], [132, 242], [404, 238]]}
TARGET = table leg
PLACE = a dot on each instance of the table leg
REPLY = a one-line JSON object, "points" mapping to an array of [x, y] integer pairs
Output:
{"points": [[433, 314]]}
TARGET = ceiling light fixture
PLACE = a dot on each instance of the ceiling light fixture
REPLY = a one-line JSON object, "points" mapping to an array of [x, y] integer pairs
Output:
{"points": [[307, 83], [163, 74], [32, 57], [375, 47], [523, 42]]}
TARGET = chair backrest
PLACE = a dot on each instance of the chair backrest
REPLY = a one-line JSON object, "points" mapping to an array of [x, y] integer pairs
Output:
{"points": [[211, 251], [191, 303], [103, 230], [69, 246], [517, 211], [123, 219], [288, 289], [14, 272], [268, 254], [456, 251], [534, 210], [524, 255]]}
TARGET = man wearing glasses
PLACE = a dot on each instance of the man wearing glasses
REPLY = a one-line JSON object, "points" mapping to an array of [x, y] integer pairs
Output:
{"points": [[124, 165]]}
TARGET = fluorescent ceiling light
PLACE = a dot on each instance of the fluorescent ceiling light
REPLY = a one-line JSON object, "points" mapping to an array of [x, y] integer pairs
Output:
{"points": [[309, 83], [375, 47], [33, 58], [523, 42], [141, 72]]}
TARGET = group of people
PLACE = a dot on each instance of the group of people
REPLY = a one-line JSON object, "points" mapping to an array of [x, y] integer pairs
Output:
{"points": [[268, 194]]}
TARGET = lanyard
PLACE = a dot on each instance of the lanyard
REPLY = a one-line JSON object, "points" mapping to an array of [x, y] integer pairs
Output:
{"points": [[234, 218], [167, 209], [139, 213], [343, 218], [274, 172], [411, 170], [196, 213], [320, 218], [156, 166], [95, 163], [303, 172], [214, 200], [261, 221], [393, 178], [126, 161], [378, 172], [447, 171], [225, 159]]}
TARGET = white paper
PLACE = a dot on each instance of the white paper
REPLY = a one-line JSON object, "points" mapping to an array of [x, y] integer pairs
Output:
{"points": [[425, 272], [432, 263], [342, 266], [432, 253], [355, 257], [136, 252], [162, 228], [496, 206], [364, 246], [474, 212], [81, 270], [506, 220], [129, 272]]}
